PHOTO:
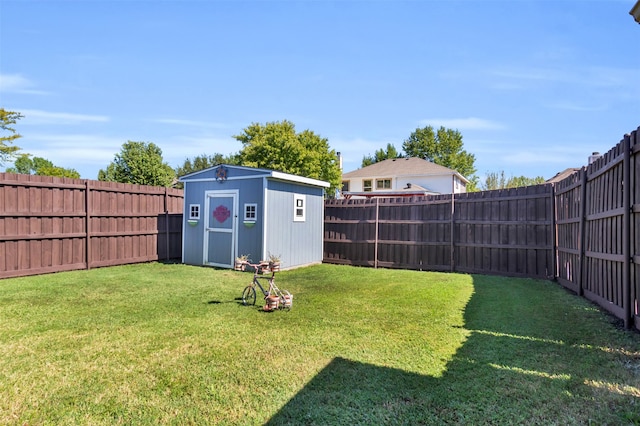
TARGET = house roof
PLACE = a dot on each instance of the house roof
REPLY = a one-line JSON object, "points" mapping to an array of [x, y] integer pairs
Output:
{"points": [[635, 12], [411, 166], [563, 175]]}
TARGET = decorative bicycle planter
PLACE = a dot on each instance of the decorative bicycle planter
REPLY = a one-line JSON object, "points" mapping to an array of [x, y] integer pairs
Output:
{"points": [[240, 263], [270, 266], [273, 264], [274, 297]]}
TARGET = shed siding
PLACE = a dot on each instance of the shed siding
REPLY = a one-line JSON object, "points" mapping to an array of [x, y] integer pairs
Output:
{"points": [[298, 243], [249, 238]]}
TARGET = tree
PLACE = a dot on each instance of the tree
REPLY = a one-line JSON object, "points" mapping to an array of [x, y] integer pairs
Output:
{"points": [[204, 161], [494, 181], [381, 155], [443, 147], [40, 166], [7, 119], [497, 180], [139, 163], [277, 146]]}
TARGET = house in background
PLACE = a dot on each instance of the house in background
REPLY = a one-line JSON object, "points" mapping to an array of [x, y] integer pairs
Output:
{"points": [[635, 12], [232, 210], [559, 177], [402, 177]]}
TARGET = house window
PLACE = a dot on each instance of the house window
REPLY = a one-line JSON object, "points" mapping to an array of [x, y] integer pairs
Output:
{"points": [[250, 210], [367, 186], [194, 211], [299, 208], [345, 186], [383, 184]]}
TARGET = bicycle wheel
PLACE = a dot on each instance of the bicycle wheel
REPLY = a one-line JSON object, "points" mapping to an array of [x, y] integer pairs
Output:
{"points": [[249, 296], [286, 299]]}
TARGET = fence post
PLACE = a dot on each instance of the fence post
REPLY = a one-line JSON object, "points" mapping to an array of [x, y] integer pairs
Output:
{"points": [[166, 223], [554, 234], [452, 236], [582, 231], [626, 230], [87, 223], [375, 247]]}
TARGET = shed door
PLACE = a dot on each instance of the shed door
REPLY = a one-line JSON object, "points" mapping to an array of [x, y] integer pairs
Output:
{"points": [[220, 228]]}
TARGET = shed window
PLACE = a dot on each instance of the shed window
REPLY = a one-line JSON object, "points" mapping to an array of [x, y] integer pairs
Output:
{"points": [[299, 208], [345, 186], [367, 186], [250, 210], [194, 211]]}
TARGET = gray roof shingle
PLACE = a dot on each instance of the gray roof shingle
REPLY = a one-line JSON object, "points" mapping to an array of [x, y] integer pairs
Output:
{"points": [[411, 166]]}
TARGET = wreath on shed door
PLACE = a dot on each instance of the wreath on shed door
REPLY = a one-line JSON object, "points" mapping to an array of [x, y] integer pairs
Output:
{"points": [[221, 213]]}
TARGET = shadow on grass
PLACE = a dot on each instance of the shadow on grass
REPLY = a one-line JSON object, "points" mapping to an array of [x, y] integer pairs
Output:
{"points": [[524, 362], [237, 300]]}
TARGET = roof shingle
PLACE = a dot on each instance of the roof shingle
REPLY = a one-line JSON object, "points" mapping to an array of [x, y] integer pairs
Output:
{"points": [[411, 166]]}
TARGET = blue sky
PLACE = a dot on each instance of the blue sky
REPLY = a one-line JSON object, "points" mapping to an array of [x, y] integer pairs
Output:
{"points": [[533, 86]]}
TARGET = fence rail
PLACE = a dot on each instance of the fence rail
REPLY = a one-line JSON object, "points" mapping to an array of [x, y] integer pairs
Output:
{"points": [[50, 224]]}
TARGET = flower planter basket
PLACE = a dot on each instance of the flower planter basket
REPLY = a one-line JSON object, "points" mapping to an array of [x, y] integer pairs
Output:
{"points": [[273, 303]]}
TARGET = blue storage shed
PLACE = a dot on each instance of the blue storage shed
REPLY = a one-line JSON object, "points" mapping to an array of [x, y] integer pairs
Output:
{"points": [[230, 211]]}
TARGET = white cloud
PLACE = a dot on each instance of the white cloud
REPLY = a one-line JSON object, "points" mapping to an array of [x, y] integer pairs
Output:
{"points": [[535, 74], [16, 83], [192, 123], [86, 153], [33, 116], [575, 155], [470, 123], [574, 106], [176, 151], [353, 150], [533, 157], [590, 76]]}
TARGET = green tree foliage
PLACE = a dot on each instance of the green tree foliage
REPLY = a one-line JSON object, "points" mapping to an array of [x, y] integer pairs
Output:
{"points": [[139, 163], [381, 155], [443, 147], [498, 180], [202, 162], [40, 166], [7, 120], [277, 146]]}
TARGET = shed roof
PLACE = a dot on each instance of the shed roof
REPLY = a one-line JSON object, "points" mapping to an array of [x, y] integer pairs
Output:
{"points": [[410, 166], [206, 174]]}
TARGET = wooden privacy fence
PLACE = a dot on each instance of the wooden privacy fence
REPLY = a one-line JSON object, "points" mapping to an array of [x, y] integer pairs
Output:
{"points": [[583, 231], [505, 232], [52, 224], [598, 228]]}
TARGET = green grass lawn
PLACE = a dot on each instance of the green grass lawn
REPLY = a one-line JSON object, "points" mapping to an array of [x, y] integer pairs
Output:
{"points": [[171, 344]]}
